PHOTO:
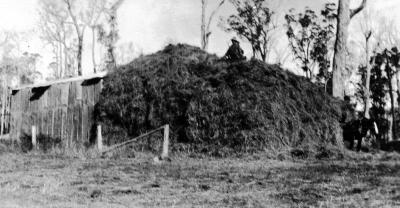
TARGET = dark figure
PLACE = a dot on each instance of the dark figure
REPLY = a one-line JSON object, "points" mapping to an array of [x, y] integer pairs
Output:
{"points": [[357, 130], [234, 53]]}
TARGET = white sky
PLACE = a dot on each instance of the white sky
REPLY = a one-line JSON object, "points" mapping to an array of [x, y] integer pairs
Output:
{"points": [[151, 24]]}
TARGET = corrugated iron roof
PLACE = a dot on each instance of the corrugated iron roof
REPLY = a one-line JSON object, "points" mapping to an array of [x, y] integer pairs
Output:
{"points": [[72, 79]]}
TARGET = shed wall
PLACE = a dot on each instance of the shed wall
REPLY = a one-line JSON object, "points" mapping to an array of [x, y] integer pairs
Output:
{"points": [[62, 110]]}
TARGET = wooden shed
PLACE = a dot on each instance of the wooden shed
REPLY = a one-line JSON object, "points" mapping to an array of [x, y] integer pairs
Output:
{"points": [[61, 109]]}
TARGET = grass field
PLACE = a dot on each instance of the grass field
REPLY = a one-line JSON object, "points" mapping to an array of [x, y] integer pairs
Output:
{"points": [[36, 180]]}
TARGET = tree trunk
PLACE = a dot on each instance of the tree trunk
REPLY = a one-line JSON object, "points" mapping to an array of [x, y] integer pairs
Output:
{"points": [[79, 54], [203, 24], [93, 49], [368, 79], [339, 60], [394, 134], [398, 84], [60, 60]]}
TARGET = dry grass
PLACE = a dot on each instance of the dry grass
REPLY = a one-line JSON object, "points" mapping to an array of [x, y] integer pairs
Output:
{"points": [[36, 180]]}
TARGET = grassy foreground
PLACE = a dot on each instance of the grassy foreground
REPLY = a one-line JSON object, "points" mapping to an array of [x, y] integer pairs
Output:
{"points": [[53, 181]]}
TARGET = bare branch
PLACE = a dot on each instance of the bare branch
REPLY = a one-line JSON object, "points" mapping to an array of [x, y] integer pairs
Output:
{"points": [[354, 12], [213, 14]]}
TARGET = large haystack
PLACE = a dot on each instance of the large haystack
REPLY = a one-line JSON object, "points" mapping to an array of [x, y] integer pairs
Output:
{"points": [[213, 105]]}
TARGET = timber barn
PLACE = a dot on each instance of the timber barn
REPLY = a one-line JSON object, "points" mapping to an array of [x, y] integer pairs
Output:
{"points": [[61, 109]]}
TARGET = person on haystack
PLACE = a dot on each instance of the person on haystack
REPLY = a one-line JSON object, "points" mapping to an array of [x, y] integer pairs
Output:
{"points": [[234, 53]]}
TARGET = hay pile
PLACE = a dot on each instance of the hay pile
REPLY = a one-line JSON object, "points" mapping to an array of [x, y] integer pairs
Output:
{"points": [[214, 106]]}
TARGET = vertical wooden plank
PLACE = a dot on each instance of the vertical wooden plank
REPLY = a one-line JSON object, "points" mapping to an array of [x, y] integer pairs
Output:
{"points": [[64, 124], [85, 94], [79, 125], [44, 123], [58, 94], [49, 117], [44, 100], [64, 94], [43, 120], [53, 121], [84, 123], [76, 126], [72, 94], [56, 123], [50, 97], [78, 85], [69, 126], [91, 123], [25, 100], [91, 94], [97, 91]]}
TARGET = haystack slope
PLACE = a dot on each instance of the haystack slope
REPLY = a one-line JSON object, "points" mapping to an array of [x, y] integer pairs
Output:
{"points": [[213, 105]]}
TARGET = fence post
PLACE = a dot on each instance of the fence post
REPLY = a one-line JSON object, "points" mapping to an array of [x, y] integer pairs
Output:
{"points": [[34, 141], [165, 142], [99, 138]]}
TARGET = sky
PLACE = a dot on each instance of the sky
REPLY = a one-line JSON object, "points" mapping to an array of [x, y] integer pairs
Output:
{"points": [[151, 24]]}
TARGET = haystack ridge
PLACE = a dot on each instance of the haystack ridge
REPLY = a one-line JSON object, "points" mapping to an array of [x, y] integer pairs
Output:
{"points": [[213, 105]]}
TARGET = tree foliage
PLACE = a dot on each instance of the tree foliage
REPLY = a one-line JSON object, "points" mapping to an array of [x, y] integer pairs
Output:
{"points": [[383, 70], [253, 22], [108, 33], [311, 37], [16, 67]]}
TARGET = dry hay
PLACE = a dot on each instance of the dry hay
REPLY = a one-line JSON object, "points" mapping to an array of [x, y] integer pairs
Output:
{"points": [[217, 107]]}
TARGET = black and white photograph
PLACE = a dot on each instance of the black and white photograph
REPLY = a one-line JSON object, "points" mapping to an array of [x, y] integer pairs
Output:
{"points": [[199, 103]]}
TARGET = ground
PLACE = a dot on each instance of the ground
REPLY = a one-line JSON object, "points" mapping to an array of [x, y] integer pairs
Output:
{"points": [[38, 180]]}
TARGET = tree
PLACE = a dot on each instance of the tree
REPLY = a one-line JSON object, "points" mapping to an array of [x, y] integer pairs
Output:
{"points": [[367, 33], [253, 22], [310, 37], [79, 26], [14, 65], [378, 84], [110, 38], [63, 24], [205, 26], [57, 33], [345, 14], [387, 37], [97, 10], [388, 60]]}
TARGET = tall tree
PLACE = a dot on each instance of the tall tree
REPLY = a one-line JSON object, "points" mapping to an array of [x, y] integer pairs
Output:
{"points": [[388, 61], [109, 38], [96, 11], [387, 37], [310, 37], [253, 22], [17, 68], [378, 93], [56, 31], [65, 21], [79, 29], [345, 14], [368, 31], [205, 25]]}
